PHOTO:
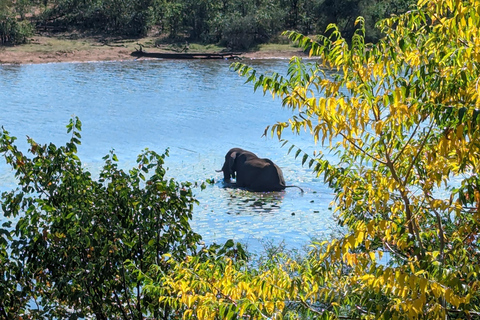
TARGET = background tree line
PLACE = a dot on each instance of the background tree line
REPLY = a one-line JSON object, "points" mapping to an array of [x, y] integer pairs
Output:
{"points": [[232, 23]]}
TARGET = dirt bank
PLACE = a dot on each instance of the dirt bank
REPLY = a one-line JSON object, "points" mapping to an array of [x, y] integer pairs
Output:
{"points": [[48, 49]]}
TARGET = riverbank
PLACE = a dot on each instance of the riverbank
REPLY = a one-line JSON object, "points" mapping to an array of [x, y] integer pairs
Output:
{"points": [[50, 49]]}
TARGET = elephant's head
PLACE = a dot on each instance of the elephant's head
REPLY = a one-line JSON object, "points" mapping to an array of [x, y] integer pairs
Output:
{"points": [[229, 165]]}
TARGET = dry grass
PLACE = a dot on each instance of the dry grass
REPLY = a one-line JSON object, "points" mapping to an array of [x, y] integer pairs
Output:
{"points": [[73, 47]]}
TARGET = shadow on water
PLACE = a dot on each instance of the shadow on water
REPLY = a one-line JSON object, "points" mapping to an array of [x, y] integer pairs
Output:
{"points": [[246, 202]]}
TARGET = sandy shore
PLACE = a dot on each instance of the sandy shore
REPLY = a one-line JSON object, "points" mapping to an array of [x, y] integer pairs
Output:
{"points": [[49, 50], [29, 57]]}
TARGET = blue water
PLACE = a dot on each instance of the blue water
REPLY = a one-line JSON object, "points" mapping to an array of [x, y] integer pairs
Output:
{"points": [[197, 109]]}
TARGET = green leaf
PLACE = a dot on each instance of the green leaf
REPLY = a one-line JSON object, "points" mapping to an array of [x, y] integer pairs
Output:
{"points": [[305, 157]]}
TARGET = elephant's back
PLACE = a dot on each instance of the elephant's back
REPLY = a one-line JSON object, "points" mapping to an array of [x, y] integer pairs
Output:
{"points": [[268, 176]]}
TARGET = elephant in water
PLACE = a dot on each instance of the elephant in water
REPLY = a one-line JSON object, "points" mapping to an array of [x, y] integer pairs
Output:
{"points": [[252, 172]]}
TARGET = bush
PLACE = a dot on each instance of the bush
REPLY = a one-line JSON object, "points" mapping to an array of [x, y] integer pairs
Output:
{"points": [[13, 31], [239, 32], [132, 18], [65, 255]]}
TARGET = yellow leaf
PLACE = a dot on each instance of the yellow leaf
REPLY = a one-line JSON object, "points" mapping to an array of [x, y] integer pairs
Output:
{"points": [[188, 313], [269, 306], [423, 285], [280, 305], [418, 306]]}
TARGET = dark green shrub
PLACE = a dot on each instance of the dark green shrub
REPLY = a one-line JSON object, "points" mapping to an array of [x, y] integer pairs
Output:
{"points": [[239, 32], [68, 235], [125, 17], [13, 31]]}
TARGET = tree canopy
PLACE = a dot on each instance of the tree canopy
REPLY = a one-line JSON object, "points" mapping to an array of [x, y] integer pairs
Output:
{"points": [[232, 23]]}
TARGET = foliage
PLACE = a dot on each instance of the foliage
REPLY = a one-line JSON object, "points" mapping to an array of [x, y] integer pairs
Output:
{"points": [[248, 24], [224, 271], [402, 116], [233, 23], [67, 236], [12, 30], [127, 17], [316, 16]]}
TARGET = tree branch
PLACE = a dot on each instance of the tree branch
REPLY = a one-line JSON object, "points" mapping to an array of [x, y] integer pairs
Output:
{"points": [[412, 227], [401, 255], [422, 145], [362, 150]]}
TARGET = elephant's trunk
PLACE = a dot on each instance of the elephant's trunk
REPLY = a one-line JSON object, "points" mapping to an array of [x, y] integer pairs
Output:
{"points": [[226, 178]]}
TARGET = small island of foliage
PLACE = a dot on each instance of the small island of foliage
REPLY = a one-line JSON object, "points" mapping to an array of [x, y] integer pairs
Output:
{"points": [[403, 116]]}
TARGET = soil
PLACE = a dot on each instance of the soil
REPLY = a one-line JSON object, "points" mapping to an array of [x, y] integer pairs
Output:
{"points": [[48, 49]]}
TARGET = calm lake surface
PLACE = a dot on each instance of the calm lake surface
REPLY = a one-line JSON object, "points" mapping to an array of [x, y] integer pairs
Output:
{"points": [[197, 109]]}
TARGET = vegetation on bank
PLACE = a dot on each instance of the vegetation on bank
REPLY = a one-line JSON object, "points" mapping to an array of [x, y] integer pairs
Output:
{"points": [[233, 24], [403, 117]]}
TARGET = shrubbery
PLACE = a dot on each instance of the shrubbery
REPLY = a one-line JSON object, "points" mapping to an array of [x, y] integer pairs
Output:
{"points": [[233, 23], [13, 31], [64, 247]]}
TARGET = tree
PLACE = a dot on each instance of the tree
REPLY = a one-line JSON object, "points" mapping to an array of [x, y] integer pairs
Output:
{"points": [[68, 237], [13, 30], [403, 117], [248, 23]]}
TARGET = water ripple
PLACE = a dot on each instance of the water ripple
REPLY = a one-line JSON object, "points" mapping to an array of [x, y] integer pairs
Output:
{"points": [[198, 109]]}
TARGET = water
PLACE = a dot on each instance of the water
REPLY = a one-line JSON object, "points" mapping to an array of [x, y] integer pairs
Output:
{"points": [[197, 109]]}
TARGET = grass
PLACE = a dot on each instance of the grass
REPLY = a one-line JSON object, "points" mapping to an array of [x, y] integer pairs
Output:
{"points": [[61, 43], [283, 47], [74, 42]]}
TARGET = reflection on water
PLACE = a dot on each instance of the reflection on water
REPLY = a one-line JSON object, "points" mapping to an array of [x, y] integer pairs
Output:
{"points": [[245, 202], [197, 109]]}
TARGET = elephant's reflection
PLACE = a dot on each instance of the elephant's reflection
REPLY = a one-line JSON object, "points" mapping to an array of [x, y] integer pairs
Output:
{"points": [[245, 202]]}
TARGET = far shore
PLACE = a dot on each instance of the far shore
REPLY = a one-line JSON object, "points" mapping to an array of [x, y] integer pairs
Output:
{"points": [[48, 49]]}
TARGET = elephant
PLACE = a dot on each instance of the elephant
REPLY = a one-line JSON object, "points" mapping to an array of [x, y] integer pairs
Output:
{"points": [[252, 172]]}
